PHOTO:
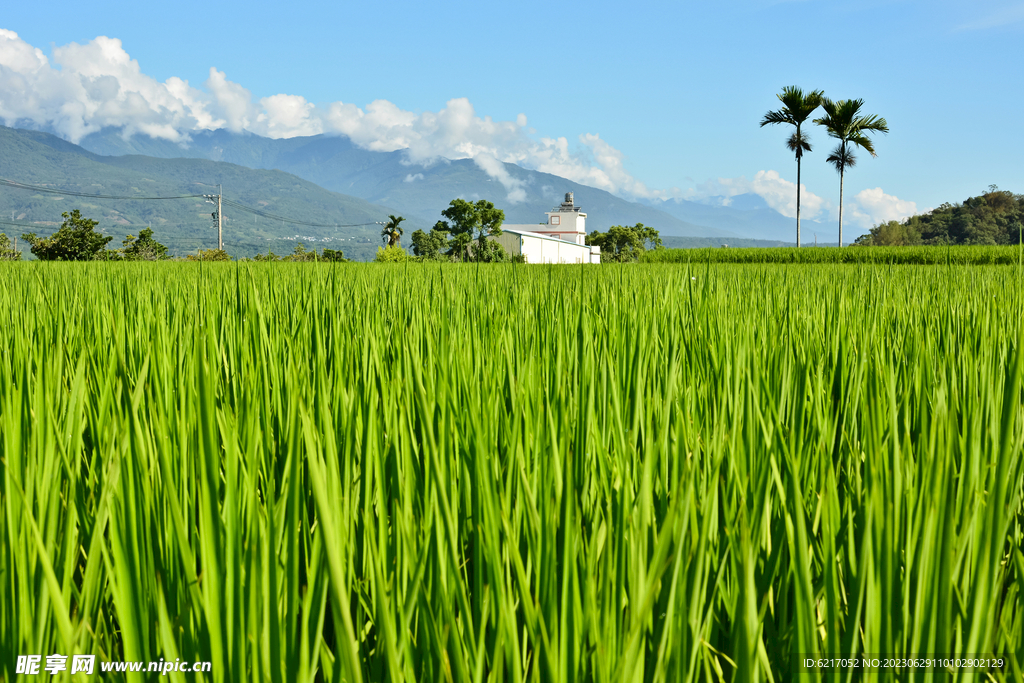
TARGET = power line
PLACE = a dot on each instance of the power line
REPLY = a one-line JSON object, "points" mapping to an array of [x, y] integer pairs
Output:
{"points": [[69, 193], [33, 226], [241, 207], [50, 230], [259, 242]]}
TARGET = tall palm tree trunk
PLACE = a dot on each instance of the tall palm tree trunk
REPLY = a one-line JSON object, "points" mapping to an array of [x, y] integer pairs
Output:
{"points": [[840, 208], [798, 202]]}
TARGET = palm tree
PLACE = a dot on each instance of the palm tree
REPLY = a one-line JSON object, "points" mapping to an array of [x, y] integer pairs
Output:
{"points": [[392, 232], [796, 108], [845, 123]]}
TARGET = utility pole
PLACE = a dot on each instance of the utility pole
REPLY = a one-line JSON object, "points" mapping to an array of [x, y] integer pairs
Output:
{"points": [[219, 215]]}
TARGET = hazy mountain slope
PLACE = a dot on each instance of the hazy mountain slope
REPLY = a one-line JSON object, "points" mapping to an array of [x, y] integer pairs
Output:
{"points": [[337, 164], [434, 186], [184, 224], [750, 216]]}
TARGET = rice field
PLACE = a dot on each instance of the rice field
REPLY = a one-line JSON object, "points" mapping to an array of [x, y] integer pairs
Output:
{"points": [[658, 473], [958, 255]]}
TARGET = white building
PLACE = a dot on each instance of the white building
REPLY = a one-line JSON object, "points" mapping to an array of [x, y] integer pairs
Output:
{"points": [[562, 239]]}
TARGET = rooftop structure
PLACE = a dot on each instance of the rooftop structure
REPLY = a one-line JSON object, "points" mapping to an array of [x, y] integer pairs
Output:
{"points": [[540, 243], [566, 222]]}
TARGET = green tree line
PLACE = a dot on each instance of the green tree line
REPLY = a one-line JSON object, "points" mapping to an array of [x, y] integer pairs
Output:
{"points": [[467, 234], [78, 240], [994, 217]]}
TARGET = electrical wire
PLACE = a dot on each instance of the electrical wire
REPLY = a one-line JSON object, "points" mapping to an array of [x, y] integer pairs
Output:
{"points": [[241, 207], [69, 193], [49, 231], [26, 225]]}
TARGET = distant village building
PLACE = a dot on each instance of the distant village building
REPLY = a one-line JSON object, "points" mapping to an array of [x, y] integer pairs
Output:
{"points": [[562, 239]]}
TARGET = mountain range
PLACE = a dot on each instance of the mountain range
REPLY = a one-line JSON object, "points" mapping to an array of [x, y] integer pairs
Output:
{"points": [[387, 178], [322, 179], [186, 224]]}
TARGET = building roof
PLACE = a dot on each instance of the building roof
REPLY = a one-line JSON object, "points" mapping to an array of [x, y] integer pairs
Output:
{"points": [[537, 235]]}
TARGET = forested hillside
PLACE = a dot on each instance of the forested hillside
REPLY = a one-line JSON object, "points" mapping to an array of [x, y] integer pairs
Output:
{"points": [[995, 217], [182, 224]]}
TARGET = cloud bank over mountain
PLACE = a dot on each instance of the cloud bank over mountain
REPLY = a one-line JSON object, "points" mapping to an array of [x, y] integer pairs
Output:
{"points": [[86, 88], [864, 209]]}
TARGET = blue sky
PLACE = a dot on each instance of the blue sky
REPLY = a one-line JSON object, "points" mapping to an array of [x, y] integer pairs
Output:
{"points": [[669, 93]]}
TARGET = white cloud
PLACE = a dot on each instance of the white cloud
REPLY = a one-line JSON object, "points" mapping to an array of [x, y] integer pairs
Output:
{"points": [[778, 193], [868, 208], [232, 102], [287, 116], [515, 187], [865, 209], [96, 85]]}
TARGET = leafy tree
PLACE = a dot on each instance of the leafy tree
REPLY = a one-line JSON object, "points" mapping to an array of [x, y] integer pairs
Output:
{"points": [[620, 244], [333, 256], [209, 255], [648, 236], [76, 240], [467, 222], [796, 107], [392, 232], [845, 123], [7, 252], [269, 257], [391, 255], [143, 248], [891, 234], [623, 243], [428, 246], [300, 253]]}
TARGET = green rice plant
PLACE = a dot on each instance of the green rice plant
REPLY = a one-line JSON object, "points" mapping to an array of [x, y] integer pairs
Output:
{"points": [[930, 255], [444, 472]]}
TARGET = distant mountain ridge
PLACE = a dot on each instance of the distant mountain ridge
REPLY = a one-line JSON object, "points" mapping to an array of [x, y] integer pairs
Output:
{"points": [[750, 216], [42, 159], [421, 192], [336, 163]]}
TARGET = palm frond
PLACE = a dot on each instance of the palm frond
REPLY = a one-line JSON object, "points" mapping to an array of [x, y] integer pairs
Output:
{"points": [[863, 142], [799, 142], [797, 106], [844, 122], [780, 116], [871, 123], [842, 158]]}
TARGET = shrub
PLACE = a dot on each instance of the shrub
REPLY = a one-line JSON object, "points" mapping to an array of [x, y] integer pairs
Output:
{"points": [[391, 255], [333, 256], [143, 248], [209, 255]]}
